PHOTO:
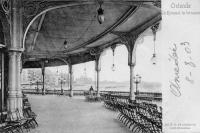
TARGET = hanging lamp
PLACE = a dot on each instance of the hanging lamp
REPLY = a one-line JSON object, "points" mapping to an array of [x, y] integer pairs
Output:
{"points": [[65, 44], [154, 58], [113, 64], [154, 30], [100, 13]]}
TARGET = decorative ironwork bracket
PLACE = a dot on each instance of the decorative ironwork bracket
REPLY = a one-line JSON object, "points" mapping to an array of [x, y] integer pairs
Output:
{"points": [[113, 48], [157, 3], [5, 4], [129, 41], [95, 51]]}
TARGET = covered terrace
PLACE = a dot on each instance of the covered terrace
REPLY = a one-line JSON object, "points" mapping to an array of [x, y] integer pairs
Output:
{"points": [[45, 33]]}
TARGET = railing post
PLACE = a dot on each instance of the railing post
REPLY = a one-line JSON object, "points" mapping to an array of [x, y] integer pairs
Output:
{"points": [[70, 80], [43, 78]]}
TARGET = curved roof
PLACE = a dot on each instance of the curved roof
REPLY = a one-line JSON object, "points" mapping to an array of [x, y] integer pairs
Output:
{"points": [[78, 26]]}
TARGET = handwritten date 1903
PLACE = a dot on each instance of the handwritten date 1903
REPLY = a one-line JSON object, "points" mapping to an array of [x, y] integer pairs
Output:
{"points": [[188, 61]]}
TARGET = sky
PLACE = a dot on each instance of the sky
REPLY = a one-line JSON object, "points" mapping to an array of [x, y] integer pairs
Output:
{"points": [[144, 66]]}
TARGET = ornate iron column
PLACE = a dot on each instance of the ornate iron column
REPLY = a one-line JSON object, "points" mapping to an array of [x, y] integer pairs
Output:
{"points": [[14, 101], [129, 40], [130, 44], [97, 69], [2, 82], [70, 80], [96, 52]]}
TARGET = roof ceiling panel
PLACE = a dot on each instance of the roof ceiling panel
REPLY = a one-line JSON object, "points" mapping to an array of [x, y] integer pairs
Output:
{"points": [[103, 40], [76, 25], [142, 15]]}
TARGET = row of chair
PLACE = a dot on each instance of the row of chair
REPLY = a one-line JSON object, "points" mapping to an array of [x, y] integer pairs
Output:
{"points": [[28, 113], [18, 121], [112, 101], [139, 117]]}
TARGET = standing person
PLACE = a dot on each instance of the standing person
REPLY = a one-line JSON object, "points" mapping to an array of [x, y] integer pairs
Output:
{"points": [[91, 91]]}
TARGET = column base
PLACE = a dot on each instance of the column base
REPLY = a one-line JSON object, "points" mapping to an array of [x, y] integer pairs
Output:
{"points": [[132, 98], [14, 106], [98, 95], [132, 101]]}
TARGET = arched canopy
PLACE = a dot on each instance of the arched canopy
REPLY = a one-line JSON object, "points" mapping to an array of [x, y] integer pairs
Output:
{"points": [[77, 27]]}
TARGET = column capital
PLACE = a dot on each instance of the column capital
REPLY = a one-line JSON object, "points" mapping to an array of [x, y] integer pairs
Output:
{"points": [[12, 49], [95, 51], [132, 64], [126, 38], [42, 66], [97, 64], [98, 70], [16, 53], [113, 46], [69, 61], [97, 57]]}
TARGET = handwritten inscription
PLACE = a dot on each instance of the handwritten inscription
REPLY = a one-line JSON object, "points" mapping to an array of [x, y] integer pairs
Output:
{"points": [[188, 61], [175, 87], [175, 83]]}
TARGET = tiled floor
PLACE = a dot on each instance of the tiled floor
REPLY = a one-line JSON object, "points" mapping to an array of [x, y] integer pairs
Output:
{"points": [[60, 114]]}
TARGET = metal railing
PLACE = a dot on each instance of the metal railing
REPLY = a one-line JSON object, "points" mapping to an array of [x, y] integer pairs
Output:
{"points": [[150, 97], [53, 92]]}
